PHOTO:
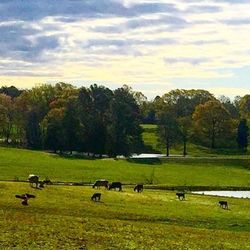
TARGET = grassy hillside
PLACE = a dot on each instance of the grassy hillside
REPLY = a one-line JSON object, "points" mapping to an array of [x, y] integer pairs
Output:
{"points": [[65, 218], [151, 142], [19, 163], [150, 138]]}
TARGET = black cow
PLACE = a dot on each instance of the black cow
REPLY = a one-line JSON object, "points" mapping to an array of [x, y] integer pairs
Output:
{"points": [[47, 182], [115, 185], [101, 183], [96, 197], [138, 188], [42, 183], [181, 195], [223, 204]]}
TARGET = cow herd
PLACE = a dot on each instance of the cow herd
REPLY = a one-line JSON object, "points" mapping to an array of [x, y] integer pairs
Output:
{"points": [[113, 185], [34, 180], [105, 183]]}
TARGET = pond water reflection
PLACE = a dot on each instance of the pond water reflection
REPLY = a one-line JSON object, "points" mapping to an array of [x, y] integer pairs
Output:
{"points": [[145, 155], [235, 194]]}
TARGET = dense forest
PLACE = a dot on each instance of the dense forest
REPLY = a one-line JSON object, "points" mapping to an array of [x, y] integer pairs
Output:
{"points": [[100, 121]]}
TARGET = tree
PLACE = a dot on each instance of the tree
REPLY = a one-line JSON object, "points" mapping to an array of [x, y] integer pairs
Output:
{"points": [[53, 130], [242, 135], [101, 98], [244, 106], [7, 116], [93, 107], [64, 109], [148, 113], [230, 106], [184, 124], [213, 124], [124, 131], [85, 115], [71, 126], [33, 130], [168, 130], [180, 104], [183, 102], [11, 91], [35, 105]]}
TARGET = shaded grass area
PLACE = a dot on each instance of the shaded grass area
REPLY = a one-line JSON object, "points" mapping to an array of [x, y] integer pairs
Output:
{"points": [[17, 164], [66, 218]]}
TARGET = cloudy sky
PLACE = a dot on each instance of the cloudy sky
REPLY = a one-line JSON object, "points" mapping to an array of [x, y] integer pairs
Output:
{"points": [[152, 45]]}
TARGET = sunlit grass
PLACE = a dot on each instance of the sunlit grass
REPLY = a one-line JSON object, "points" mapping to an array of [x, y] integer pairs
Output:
{"points": [[19, 163], [64, 217]]}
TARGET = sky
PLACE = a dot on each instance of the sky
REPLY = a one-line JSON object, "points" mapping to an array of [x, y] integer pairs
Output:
{"points": [[154, 46]]}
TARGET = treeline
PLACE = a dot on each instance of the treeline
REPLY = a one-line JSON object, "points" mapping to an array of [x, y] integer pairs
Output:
{"points": [[100, 121], [197, 116], [64, 118]]}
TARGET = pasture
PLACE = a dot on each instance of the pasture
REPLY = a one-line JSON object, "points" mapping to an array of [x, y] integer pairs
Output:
{"points": [[17, 164], [64, 217]]}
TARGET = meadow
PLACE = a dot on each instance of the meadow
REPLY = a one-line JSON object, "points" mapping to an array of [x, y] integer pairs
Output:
{"points": [[17, 164], [64, 217]]}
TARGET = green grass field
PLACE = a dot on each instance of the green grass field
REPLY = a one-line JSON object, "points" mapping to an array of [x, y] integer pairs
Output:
{"points": [[17, 164], [64, 217]]}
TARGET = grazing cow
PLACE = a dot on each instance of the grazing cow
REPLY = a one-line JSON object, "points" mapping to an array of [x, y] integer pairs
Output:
{"points": [[99, 183], [25, 198], [138, 188], [41, 184], [181, 195], [47, 182], [96, 197], [33, 179], [115, 185], [223, 204]]}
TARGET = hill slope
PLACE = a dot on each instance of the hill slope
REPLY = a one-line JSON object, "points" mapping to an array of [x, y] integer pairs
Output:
{"points": [[19, 163], [66, 218]]}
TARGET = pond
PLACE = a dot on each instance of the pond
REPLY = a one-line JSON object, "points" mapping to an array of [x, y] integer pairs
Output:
{"points": [[235, 194], [147, 156]]}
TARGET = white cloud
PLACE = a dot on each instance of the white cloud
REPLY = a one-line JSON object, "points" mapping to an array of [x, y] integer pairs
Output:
{"points": [[152, 41], [228, 91]]}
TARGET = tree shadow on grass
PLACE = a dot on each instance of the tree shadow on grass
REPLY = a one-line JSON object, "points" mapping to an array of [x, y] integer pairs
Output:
{"points": [[74, 156], [148, 149], [149, 161]]}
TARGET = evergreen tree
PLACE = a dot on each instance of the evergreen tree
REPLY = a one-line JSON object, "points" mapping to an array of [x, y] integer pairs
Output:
{"points": [[242, 135]]}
